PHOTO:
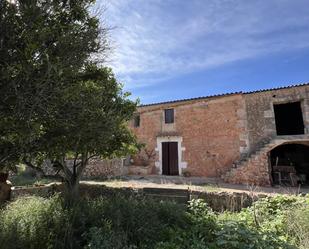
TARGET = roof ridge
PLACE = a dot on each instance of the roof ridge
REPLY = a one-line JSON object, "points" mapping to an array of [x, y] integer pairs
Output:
{"points": [[189, 99], [226, 94], [277, 88]]}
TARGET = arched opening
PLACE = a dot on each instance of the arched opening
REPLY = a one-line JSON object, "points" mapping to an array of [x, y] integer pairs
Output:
{"points": [[290, 164]]}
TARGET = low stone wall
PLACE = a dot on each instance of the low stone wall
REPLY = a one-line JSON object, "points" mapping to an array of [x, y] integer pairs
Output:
{"points": [[86, 190], [139, 170], [222, 201], [218, 201], [104, 168], [42, 191], [96, 168]]}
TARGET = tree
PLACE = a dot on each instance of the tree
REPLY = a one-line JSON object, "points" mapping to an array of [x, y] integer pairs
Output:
{"points": [[43, 44], [88, 120], [55, 101]]}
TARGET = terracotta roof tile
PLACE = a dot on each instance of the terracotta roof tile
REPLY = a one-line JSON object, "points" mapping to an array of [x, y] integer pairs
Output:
{"points": [[277, 88], [226, 94], [189, 99]]}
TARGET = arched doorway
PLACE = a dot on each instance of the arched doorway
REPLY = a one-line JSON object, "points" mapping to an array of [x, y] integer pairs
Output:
{"points": [[290, 164]]}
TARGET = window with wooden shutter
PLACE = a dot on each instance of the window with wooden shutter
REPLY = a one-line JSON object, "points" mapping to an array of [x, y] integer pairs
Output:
{"points": [[169, 116]]}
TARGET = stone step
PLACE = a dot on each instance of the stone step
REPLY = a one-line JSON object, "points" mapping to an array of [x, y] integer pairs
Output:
{"points": [[254, 157], [258, 156]]}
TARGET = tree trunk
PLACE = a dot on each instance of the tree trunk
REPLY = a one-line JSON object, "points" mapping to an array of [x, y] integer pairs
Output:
{"points": [[72, 181], [4, 176], [71, 192]]}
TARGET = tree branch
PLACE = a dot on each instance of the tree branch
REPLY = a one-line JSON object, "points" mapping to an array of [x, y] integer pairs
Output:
{"points": [[83, 164], [74, 164], [64, 168], [42, 173]]}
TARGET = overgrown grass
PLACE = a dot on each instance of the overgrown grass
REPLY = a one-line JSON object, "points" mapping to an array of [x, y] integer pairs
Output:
{"points": [[127, 222], [298, 226], [211, 188]]}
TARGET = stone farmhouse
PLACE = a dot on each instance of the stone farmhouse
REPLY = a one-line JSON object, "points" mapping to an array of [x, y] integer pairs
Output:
{"points": [[259, 137]]}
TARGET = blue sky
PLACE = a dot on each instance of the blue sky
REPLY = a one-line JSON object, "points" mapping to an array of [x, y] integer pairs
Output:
{"points": [[175, 49]]}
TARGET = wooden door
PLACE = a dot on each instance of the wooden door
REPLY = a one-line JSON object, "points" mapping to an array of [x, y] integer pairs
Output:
{"points": [[165, 163], [170, 158]]}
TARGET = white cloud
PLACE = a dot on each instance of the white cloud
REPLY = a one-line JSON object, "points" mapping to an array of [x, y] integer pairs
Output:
{"points": [[157, 39]]}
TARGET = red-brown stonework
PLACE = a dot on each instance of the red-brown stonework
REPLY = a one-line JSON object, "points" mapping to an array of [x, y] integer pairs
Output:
{"points": [[228, 136], [210, 132]]}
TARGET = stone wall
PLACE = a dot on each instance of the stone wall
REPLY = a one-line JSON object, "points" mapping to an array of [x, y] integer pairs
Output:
{"points": [[211, 133], [256, 168], [96, 168], [262, 135], [260, 111], [214, 134], [86, 191], [223, 201], [218, 201], [255, 171], [104, 168]]}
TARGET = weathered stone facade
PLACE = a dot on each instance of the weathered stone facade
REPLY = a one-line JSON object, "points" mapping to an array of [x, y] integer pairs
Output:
{"points": [[260, 111], [217, 134]]}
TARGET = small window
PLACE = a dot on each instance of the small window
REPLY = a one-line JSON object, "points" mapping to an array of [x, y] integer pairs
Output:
{"points": [[169, 116], [137, 120]]}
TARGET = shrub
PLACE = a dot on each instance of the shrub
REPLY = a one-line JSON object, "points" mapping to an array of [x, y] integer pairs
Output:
{"points": [[129, 223], [143, 222], [297, 226], [105, 238], [238, 235], [44, 223], [34, 223]]}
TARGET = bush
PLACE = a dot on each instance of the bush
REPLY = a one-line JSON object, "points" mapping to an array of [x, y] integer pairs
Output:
{"points": [[35, 223], [142, 222], [297, 226], [238, 235], [129, 223], [105, 238], [44, 223], [278, 219]]}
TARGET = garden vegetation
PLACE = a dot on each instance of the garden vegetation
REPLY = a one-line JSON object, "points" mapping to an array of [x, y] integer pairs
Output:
{"points": [[127, 222]]}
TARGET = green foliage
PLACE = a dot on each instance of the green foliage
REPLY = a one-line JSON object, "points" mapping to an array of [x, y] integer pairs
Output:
{"points": [[45, 223], [238, 235], [56, 101], [275, 219], [90, 118], [129, 223], [141, 220], [44, 45], [34, 223], [105, 238]]}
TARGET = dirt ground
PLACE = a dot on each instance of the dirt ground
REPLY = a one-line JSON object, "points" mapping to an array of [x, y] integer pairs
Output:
{"points": [[194, 183]]}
